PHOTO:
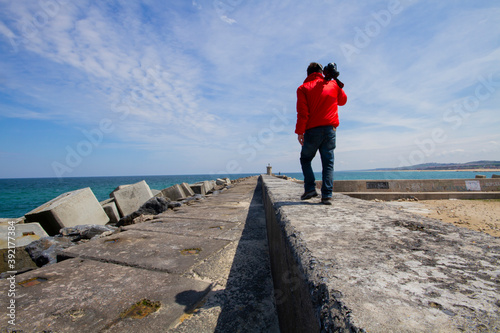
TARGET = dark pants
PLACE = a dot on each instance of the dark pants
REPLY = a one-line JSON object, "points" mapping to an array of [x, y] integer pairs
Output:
{"points": [[323, 139]]}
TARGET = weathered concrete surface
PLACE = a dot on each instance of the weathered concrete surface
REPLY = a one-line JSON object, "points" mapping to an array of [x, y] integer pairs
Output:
{"points": [[84, 295], [67, 210], [242, 298], [129, 198], [365, 266], [185, 227], [89, 296], [149, 250]]}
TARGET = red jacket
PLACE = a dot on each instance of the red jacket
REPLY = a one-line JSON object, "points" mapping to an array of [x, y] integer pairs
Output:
{"points": [[317, 102]]}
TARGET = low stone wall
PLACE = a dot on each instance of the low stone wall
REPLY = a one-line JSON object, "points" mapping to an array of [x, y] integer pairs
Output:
{"points": [[360, 266], [418, 185], [421, 189]]}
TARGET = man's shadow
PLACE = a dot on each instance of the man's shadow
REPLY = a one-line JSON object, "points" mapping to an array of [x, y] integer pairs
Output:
{"points": [[191, 298]]}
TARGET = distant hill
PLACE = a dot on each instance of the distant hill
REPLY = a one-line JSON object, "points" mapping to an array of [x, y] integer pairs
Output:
{"points": [[450, 166]]}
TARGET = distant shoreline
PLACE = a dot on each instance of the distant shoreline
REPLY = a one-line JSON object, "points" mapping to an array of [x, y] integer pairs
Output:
{"points": [[433, 170]]}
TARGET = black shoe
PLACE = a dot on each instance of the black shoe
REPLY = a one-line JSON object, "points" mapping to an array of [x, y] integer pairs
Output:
{"points": [[308, 195], [326, 201]]}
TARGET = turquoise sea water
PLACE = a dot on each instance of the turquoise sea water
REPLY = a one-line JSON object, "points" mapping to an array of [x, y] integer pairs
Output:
{"points": [[20, 196]]}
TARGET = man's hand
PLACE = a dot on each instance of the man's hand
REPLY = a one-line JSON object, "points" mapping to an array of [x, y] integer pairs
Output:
{"points": [[301, 139]]}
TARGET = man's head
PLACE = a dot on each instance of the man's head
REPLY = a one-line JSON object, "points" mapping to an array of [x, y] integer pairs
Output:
{"points": [[314, 67]]}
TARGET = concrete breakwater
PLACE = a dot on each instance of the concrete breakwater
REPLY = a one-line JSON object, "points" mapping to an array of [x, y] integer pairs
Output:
{"points": [[201, 267], [361, 266], [255, 258]]}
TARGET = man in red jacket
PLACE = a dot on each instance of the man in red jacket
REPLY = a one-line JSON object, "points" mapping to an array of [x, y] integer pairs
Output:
{"points": [[318, 99]]}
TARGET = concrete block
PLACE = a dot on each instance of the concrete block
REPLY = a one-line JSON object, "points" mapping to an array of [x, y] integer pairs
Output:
{"points": [[121, 187], [15, 220], [68, 210], [223, 181], [187, 189], [24, 234], [129, 198], [209, 185], [198, 188], [21, 262], [175, 192], [111, 210]]}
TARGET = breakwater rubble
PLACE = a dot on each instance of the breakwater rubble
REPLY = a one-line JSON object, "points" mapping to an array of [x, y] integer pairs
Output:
{"points": [[47, 230]]}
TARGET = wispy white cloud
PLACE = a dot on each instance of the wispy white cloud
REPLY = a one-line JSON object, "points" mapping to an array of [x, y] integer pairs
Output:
{"points": [[206, 77], [155, 83], [415, 91]]}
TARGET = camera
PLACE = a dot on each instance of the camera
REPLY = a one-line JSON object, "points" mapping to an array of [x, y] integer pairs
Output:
{"points": [[331, 73]]}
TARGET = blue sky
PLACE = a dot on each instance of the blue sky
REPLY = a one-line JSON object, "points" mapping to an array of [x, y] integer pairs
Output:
{"points": [[101, 88]]}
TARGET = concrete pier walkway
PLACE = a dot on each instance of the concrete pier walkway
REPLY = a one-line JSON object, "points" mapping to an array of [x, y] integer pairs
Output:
{"points": [[255, 258], [361, 266], [201, 268]]}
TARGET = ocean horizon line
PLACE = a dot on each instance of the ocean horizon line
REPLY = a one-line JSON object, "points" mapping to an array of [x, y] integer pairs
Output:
{"points": [[175, 175], [19, 196], [260, 173]]}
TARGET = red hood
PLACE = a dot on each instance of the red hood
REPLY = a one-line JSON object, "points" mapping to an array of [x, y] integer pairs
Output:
{"points": [[314, 76]]}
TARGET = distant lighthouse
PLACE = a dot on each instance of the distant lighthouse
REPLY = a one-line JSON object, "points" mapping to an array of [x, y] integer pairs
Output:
{"points": [[269, 169]]}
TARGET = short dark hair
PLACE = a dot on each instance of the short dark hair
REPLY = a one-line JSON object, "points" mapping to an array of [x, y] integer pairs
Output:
{"points": [[314, 67]]}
